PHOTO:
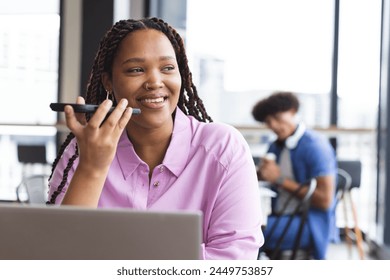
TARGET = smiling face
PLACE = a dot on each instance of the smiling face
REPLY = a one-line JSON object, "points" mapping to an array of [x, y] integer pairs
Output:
{"points": [[146, 73]]}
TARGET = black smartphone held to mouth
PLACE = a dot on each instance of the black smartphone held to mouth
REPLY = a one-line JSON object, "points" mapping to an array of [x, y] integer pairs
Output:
{"points": [[84, 108]]}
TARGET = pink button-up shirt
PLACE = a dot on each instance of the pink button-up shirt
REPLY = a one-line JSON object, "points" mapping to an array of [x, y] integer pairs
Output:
{"points": [[207, 167]]}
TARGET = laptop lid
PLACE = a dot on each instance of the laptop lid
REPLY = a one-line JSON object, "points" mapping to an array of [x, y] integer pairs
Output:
{"points": [[66, 232]]}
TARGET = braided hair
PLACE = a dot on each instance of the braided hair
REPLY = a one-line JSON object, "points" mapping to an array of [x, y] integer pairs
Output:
{"points": [[189, 101]]}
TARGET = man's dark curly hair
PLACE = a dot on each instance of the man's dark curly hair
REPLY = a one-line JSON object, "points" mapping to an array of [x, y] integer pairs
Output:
{"points": [[277, 102]]}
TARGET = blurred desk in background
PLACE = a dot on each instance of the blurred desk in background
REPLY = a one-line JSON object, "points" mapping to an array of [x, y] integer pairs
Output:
{"points": [[266, 195]]}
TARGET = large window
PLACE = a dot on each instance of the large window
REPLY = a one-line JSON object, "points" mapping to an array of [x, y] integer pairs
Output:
{"points": [[241, 51], [358, 68], [254, 47], [29, 48], [29, 42]]}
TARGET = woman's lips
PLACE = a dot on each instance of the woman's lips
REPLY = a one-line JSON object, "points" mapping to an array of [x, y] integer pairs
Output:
{"points": [[153, 102]]}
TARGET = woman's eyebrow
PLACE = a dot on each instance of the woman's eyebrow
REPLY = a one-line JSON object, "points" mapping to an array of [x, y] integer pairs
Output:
{"points": [[133, 59], [167, 57], [140, 59]]}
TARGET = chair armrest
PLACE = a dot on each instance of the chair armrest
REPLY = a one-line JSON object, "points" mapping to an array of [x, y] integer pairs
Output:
{"points": [[310, 191]]}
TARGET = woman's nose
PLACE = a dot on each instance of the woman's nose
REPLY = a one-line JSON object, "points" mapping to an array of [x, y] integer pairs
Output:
{"points": [[154, 81], [153, 86]]}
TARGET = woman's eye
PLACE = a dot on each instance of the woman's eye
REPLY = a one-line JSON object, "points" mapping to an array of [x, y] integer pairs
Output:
{"points": [[135, 70], [168, 68]]}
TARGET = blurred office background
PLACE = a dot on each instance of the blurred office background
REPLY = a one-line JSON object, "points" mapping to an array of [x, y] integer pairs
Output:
{"points": [[333, 53]]}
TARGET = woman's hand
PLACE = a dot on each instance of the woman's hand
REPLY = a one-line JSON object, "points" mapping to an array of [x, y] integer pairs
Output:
{"points": [[97, 141]]}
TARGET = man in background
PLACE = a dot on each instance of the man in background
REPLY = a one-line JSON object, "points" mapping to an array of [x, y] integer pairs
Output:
{"points": [[300, 155]]}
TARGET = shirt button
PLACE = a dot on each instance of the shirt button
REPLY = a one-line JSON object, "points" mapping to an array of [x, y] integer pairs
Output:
{"points": [[156, 184], [161, 169]]}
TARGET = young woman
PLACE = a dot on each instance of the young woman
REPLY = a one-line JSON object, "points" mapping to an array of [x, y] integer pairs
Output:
{"points": [[169, 157]]}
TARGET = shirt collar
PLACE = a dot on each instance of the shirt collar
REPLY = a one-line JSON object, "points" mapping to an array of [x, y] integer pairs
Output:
{"points": [[178, 151], [126, 155], [176, 156]]}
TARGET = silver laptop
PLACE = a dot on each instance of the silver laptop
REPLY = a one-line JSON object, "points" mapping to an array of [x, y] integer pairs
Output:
{"points": [[72, 233]]}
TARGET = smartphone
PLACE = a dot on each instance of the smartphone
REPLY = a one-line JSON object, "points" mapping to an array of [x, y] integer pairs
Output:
{"points": [[84, 108]]}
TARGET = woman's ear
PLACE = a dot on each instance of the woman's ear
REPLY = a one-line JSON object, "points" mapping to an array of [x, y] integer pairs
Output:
{"points": [[106, 81]]}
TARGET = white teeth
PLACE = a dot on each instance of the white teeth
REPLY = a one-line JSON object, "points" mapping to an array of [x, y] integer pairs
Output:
{"points": [[154, 100]]}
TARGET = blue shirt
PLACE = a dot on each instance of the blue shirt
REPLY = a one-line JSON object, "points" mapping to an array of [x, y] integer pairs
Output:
{"points": [[312, 156]]}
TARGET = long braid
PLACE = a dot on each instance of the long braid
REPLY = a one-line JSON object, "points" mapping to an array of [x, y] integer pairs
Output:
{"points": [[60, 152], [64, 178], [189, 101]]}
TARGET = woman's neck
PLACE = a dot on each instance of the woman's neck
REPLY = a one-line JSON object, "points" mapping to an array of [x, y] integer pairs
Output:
{"points": [[151, 144]]}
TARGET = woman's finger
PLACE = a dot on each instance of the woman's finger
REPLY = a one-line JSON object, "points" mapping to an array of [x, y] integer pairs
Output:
{"points": [[81, 116], [100, 114], [125, 118], [115, 117], [71, 121]]}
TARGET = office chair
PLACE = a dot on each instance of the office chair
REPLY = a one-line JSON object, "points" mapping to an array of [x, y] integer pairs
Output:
{"points": [[33, 187], [349, 177], [301, 210]]}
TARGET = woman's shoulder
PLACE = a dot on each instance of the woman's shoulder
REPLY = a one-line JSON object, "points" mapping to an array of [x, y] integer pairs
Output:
{"points": [[218, 137], [218, 131], [66, 153], [71, 147]]}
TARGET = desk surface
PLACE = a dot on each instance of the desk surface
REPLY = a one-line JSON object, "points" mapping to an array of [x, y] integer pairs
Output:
{"points": [[265, 190], [266, 194]]}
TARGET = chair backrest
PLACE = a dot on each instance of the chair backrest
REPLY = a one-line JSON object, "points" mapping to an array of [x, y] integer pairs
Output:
{"points": [[35, 188], [300, 212], [353, 168]]}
